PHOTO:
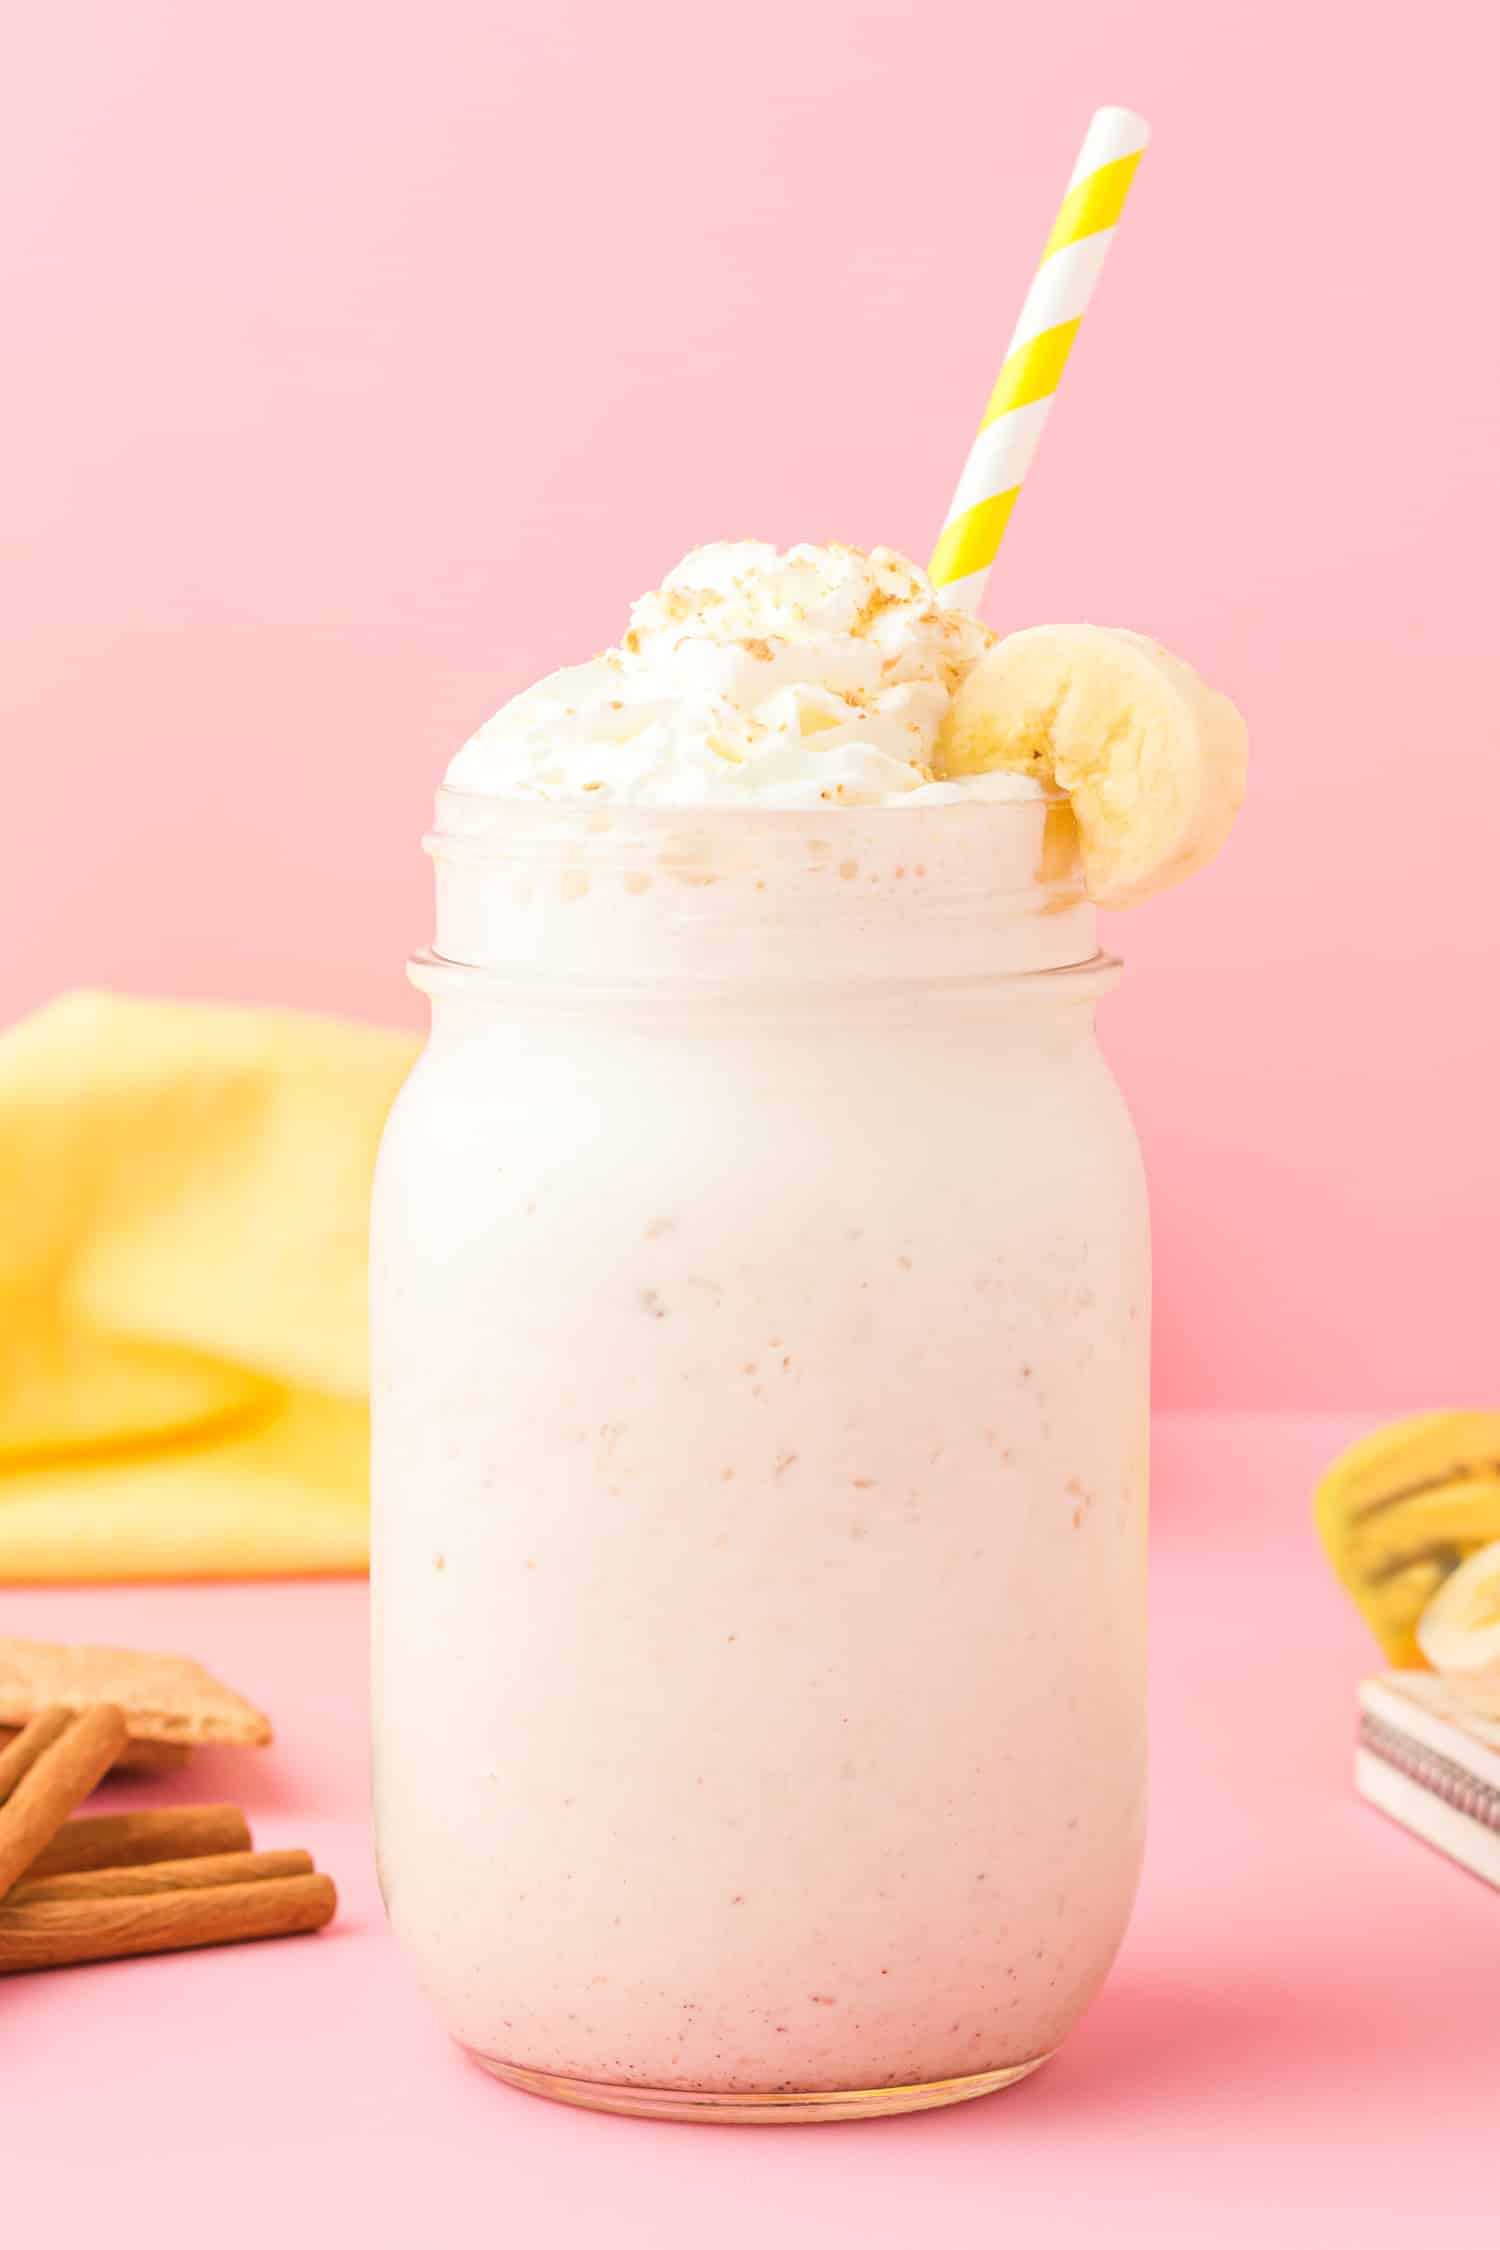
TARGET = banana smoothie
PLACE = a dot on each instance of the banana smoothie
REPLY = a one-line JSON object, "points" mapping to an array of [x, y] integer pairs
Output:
{"points": [[760, 1302]]}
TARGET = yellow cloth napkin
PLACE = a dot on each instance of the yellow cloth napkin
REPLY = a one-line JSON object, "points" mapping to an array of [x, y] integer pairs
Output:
{"points": [[183, 1201]]}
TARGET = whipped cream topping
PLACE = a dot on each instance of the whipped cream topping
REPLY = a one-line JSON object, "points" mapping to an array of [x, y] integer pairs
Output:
{"points": [[818, 676]]}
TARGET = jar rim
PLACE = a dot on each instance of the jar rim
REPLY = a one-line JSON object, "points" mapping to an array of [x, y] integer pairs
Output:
{"points": [[595, 809], [703, 890], [1083, 980]]}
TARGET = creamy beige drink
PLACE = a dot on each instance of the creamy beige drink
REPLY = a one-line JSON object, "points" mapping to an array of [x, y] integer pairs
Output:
{"points": [[759, 1284]]}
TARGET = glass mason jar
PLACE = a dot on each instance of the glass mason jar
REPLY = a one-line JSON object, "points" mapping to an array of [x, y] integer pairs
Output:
{"points": [[760, 1309]]}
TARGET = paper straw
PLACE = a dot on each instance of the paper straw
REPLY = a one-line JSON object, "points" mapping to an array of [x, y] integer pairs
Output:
{"points": [[1022, 398]]}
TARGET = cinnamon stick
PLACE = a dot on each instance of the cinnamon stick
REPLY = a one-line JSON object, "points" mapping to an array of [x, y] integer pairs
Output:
{"points": [[135, 1838], [24, 1748], [162, 1875], [61, 1935], [146, 1759], [68, 1768]]}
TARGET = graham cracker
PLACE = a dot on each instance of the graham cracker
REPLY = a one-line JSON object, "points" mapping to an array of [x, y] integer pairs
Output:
{"points": [[168, 1699]]}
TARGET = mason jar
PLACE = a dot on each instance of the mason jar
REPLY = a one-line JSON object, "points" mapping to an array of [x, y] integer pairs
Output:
{"points": [[760, 1316]]}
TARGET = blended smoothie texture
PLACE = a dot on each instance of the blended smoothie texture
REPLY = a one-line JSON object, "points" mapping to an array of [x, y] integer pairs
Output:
{"points": [[760, 1285]]}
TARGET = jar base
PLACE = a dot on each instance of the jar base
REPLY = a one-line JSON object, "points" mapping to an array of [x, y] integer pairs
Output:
{"points": [[683, 2105]]}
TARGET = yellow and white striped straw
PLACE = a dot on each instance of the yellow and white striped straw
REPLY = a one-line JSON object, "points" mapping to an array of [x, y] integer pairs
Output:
{"points": [[1022, 398]]}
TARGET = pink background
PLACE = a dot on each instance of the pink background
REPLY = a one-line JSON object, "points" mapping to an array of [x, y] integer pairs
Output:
{"points": [[362, 362]]}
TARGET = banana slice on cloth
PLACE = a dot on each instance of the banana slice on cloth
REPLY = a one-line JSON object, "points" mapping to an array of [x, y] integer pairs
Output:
{"points": [[1153, 760], [1401, 1509], [1459, 1630]]}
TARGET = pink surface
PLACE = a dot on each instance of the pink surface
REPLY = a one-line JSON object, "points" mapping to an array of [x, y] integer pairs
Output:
{"points": [[1299, 2044], [360, 365]]}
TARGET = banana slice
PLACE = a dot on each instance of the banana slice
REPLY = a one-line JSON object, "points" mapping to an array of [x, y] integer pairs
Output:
{"points": [[1401, 1509], [1459, 1630], [1153, 760]]}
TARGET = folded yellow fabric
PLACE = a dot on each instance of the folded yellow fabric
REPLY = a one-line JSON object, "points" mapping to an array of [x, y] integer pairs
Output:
{"points": [[183, 1201]]}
